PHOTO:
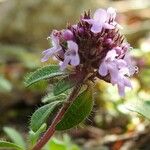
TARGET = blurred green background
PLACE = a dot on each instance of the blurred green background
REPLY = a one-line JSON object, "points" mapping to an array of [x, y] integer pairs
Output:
{"points": [[24, 28]]}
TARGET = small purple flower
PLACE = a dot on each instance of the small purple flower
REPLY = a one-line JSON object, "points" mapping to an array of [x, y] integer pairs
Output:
{"points": [[109, 65], [56, 46], [101, 20], [71, 55], [118, 69]]}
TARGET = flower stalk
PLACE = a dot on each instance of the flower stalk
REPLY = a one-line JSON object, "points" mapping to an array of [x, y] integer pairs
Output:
{"points": [[51, 130]]}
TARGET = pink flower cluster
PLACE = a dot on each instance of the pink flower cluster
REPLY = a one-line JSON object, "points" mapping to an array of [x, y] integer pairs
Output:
{"points": [[96, 44]]}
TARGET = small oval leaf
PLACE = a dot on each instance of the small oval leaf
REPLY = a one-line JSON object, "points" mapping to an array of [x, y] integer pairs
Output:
{"points": [[9, 145], [43, 73], [40, 115], [33, 136], [15, 136], [142, 107], [65, 84], [78, 111]]}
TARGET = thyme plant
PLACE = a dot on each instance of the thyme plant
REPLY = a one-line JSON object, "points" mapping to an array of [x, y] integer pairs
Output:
{"points": [[92, 49]]}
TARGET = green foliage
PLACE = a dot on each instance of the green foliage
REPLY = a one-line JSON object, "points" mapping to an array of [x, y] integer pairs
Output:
{"points": [[63, 85], [15, 136], [78, 111], [9, 145], [45, 72], [33, 136], [51, 97], [64, 144], [40, 115], [143, 108], [53, 144]]}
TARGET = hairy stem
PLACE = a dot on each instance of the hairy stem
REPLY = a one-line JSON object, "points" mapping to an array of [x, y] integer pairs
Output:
{"points": [[51, 130]]}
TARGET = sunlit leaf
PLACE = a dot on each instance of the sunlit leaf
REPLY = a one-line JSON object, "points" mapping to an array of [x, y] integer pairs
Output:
{"points": [[33, 136], [45, 72], [55, 144], [9, 145], [78, 111], [15, 136], [40, 115], [143, 108], [5, 85]]}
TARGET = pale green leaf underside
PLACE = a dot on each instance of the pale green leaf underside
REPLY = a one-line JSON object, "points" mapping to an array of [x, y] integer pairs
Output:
{"points": [[40, 115], [143, 108], [51, 98], [15, 136], [78, 111], [45, 72], [9, 145]]}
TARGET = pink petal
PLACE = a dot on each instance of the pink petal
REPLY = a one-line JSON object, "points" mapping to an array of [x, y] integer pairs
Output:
{"points": [[96, 28], [65, 63], [121, 90], [48, 53], [113, 70], [127, 82], [121, 63], [111, 55], [100, 16], [45, 58], [75, 60], [108, 26], [72, 46], [90, 21], [111, 13], [103, 69]]}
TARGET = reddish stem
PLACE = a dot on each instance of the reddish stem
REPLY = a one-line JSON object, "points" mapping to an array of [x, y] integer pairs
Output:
{"points": [[51, 130]]}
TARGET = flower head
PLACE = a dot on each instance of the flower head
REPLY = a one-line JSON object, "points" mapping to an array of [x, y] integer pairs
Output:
{"points": [[95, 46]]}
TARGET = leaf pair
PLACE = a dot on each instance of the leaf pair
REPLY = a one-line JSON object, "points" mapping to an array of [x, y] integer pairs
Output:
{"points": [[76, 113]]}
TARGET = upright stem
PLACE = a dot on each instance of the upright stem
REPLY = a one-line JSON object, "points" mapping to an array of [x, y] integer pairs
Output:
{"points": [[50, 131]]}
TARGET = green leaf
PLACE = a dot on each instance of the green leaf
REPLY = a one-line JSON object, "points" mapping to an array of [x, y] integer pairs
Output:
{"points": [[33, 136], [9, 145], [55, 144], [40, 115], [43, 73], [64, 84], [15, 136], [142, 107], [51, 98], [78, 111], [5, 85]]}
